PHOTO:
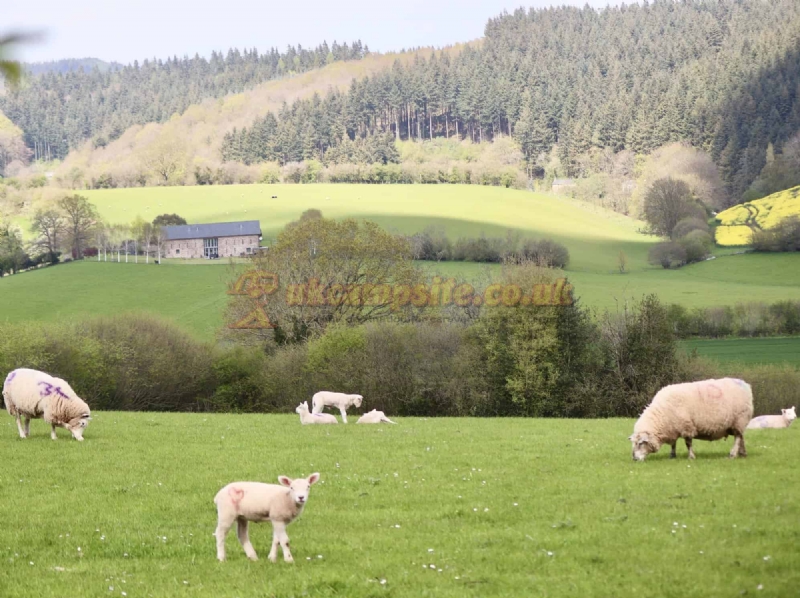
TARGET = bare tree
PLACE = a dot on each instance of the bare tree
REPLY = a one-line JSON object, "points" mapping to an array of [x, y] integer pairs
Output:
{"points": [[667, 202], [81, 218], [49, 227]]}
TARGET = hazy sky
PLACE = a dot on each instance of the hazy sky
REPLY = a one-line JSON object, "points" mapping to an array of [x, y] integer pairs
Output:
{"points": [[138, 29]]}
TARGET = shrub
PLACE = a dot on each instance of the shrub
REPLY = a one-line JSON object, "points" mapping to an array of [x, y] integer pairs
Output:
{"points": [[546, 252], [687, 225], [785, 236], [667, 255], [697, 245]]}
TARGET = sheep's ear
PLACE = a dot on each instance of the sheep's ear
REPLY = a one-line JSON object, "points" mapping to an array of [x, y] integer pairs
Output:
{"points": [[783, 411], [284, 480], [313, 478], [630, 437], [86, 416]]}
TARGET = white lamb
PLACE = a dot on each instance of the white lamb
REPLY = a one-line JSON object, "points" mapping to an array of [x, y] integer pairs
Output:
{"points": [[374, 417], [242, 502], [339, 400], [313, 418], [33, 394], [784, 420], [707, 410]]}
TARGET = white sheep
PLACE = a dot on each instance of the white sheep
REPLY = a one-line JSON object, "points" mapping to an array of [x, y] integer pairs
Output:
{"points": [[33, 394], [707, 410], [242, 502], [313, 418], [374, 417], [784, 420], [339, 400]]}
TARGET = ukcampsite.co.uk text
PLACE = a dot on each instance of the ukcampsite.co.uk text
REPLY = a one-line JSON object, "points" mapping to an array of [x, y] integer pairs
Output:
{"points": [[439, 293]]}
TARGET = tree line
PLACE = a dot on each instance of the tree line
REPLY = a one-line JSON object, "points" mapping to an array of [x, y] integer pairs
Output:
{"points": [[59, 111], [720, 75]]}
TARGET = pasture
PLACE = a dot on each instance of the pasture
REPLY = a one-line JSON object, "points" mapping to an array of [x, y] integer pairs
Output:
{"points": [[429, 507], [751, 351]]}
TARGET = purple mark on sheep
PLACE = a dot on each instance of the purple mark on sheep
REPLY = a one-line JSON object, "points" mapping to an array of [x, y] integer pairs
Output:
{"points": [[60, 393], [46, 390], [740, 382], [9, 378]]}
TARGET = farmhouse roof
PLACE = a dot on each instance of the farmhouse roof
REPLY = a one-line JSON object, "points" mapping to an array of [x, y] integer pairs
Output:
{"points": [[563, 182], [214, 229]]}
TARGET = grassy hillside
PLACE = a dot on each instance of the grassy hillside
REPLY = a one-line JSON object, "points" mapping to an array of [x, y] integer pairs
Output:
{"points": [[436, 507], [194, 295], [594, 237], [737, 222]]}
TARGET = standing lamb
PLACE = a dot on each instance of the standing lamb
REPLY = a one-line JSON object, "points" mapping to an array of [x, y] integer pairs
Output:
{"points": [[374, 417], [707, 410], [313, 418], [339, 400], [243, 502], [33, 394], [784, 420]]}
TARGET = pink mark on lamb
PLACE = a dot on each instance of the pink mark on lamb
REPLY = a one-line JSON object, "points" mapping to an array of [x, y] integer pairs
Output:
{"points": [[236, 495]]}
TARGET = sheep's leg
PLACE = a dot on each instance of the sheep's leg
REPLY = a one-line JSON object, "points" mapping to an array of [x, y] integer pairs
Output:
{"points": [[20, 426], [53, 432], [244, 539], [689, 446], [27, 426], [277, 530], [317, 407], [742, 451], [343, 411], [672, 453], [738, 447], [287, 554], [223, 526]]}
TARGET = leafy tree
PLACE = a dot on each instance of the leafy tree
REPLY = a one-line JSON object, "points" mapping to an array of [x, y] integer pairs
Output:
{"points": [[168, 220], [80, 219], [49, 226], [667, 255], [667, 202]]}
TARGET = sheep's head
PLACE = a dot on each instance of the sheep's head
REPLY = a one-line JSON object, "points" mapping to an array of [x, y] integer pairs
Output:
{"points": [[789, 414], [77, 424], [302, 407], [299, 488], [644, 443], [357, 400]]}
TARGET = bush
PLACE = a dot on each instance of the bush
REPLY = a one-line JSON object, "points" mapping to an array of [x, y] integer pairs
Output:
{"points": [[785, 236], [687, 225], [667, 255], [546, 252], [697, 245]]}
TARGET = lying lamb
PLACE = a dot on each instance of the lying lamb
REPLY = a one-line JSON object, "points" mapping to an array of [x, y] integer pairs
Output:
{"points": [[707, 410], [242, 502], [32, 394], [339, 400], [313, 418], [374, 417], [784, 420]]}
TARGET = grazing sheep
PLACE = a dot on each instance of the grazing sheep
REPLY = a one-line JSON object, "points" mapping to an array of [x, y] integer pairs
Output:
{"points": [[784, 420], [339, 400], [374, 417], [242, 502], [313, 418], [32, 394], [707, 410]]}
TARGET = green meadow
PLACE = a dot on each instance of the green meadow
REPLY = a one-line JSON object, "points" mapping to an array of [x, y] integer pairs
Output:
{"points": [[750, 351], [193, 294], [429, 507]]}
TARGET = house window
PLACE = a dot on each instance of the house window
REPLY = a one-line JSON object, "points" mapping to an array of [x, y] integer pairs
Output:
{"points": [[248, 250], [177, 252]]}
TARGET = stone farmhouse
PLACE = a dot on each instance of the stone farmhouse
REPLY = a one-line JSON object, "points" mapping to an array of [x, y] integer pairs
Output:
{"points": [[211, 241]]}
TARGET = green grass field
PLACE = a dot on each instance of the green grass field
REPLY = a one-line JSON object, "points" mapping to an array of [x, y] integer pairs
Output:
{"points": [[435, 507], [194, 297], [773, 350]]}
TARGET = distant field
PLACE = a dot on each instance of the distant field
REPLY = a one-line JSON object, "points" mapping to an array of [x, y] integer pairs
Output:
{"points": [[594, 237], [748, 350], [193, 293], [738, 222], [436, 507]]}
